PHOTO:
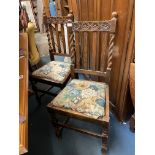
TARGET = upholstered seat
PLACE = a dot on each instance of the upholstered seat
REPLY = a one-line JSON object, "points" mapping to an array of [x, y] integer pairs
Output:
{"points": [[87, 97], [54, 71]]}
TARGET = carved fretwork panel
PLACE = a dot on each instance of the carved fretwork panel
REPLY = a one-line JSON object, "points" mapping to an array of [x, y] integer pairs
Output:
{"points": [[59, 20], [108, 26]]}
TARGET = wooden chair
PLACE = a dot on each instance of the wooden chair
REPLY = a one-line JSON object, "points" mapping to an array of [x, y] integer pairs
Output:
{"points": [[55, 73], [85, 99]]}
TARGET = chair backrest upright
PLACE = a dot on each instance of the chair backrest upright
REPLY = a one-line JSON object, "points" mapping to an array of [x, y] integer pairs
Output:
{"points": [[89, 36], [60, 35]]}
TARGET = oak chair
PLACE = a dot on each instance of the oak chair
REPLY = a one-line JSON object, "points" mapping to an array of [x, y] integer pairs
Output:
{"points": [[55, 73], [87, 100]]}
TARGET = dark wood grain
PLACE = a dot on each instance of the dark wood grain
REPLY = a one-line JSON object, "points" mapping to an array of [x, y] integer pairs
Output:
{"points": [[77, 49], [57, 38], [63, 38]]}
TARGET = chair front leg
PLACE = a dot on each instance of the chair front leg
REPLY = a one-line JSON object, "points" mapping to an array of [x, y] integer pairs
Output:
{"points": [[34, 88], [105, 140], [58, 129]]}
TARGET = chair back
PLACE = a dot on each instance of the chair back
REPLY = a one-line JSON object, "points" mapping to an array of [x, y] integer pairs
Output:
{"points": [[60, 35], [94, 44]]}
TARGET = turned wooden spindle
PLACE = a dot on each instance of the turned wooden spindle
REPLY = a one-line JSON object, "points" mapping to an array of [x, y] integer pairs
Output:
{"points": [[110, 50]]}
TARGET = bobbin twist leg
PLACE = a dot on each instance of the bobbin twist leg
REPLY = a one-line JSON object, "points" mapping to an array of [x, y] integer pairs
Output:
{"points": [[34, 88], [54, 120], [105, 139]]}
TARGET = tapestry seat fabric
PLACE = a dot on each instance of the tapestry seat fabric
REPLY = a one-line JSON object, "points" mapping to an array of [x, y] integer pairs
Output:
{"points": [[54, 71], [87, 97]]}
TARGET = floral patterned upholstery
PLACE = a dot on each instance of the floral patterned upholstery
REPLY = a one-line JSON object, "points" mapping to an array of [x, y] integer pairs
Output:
{"points": [[54, 71], [87, 97]]}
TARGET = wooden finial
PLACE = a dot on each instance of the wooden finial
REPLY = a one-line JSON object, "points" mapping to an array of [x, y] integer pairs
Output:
{"points": [[70, 13], [114, 14]]}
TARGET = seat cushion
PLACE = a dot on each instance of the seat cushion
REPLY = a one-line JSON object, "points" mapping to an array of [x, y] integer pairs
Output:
{"points": [[54, 71], [87, 97]]}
